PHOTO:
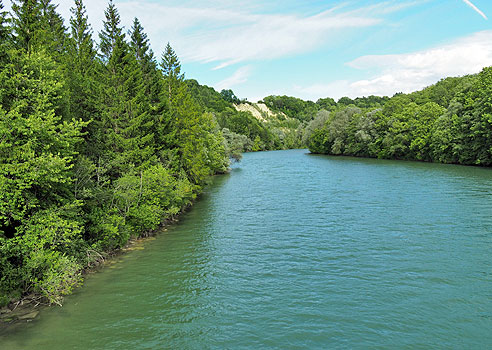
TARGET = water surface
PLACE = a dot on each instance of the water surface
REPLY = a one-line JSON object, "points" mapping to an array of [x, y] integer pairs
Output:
{"points": [[296, 251]]}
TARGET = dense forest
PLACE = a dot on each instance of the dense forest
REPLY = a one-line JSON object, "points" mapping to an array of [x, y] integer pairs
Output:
{"points": [[101, 142], [449, 122]]}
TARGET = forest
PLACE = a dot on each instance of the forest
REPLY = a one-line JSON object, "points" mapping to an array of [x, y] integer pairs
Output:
{"points": [[101, 142], [449, 122]]}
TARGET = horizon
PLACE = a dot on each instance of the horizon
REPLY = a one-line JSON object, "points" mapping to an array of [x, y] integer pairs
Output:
{"points": [[310, 49]]}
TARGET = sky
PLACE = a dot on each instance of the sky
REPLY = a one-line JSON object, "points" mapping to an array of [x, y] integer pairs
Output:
{"points": [[311, 48]]}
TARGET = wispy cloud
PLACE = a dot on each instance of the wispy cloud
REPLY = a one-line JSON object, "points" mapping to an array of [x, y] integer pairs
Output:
{"points": [[469, 3], [240, 76], [264, 37], [226, 33], [411, 71], [219, 33]]}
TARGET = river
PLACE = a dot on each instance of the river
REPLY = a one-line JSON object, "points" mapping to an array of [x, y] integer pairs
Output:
{"points": [[298, 251]]}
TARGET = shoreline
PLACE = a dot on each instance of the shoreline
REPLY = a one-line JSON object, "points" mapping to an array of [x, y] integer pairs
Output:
{"points": [[26, 309]]}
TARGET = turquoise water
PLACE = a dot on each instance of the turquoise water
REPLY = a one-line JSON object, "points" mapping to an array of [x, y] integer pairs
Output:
{"points": [[296, 251]]}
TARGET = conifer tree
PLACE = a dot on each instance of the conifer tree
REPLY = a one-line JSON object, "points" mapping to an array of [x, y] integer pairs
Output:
{"points": [[193, 130], [82, 75], [140, 43], [127, 121], [81, 32], [27, 23], [111, 37], [4, 34], [54, 32], [4, 28], [171, 68], [154, 88], [37, 25]]}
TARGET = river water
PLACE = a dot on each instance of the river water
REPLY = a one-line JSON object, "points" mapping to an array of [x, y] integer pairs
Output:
{"points": [[297, 251]]}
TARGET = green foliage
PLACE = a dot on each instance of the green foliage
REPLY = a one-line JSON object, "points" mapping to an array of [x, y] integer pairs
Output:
{"points": [[37, 26], [37, 148], [236, 144], [112, 36], [448, 122], [196, 133], [327, 104], [94, 149], [208, 99], [229, 96], [292, 107], [5, 34], [171, 69], [139, 43], [27, 24]]}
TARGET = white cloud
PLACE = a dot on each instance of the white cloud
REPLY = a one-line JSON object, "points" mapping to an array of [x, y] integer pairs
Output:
{"points": [[477, 10], [217, 32], [263, 37], [240, 76], [412, 71], [226, 33], [256, 37]]}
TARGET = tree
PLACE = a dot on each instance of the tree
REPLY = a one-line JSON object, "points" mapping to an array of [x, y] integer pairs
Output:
{"points": [[171, 68], [37, 153], [229, 96], [328, 103], [5, 36], [82, 79], [422, 126], [81, 43], [37, 146], [27, 24], [54, 31], [155, 93], [111, 37], [38, 26], [139, 43], [140, 47], [126, 120], [345, 101]]}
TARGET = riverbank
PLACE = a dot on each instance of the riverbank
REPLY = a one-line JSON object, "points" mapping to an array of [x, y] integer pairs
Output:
{"points": [[27, 308]]}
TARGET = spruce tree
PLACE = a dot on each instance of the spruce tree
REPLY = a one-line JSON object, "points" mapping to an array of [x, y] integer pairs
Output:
{"points": [[111, 37], [127, 121], [171, 68], [27, 24], [194, 133], [4, 28], [4, 34], [38, 26], [55, 32], [82, 75], [139, 43], [154, 89]]}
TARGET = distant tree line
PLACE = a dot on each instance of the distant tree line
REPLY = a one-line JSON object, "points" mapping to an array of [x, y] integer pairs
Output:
{"points": [[449, 122]]}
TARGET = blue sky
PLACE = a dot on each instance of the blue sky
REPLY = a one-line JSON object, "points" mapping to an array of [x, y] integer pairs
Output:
{"points": [[313, 49]]}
